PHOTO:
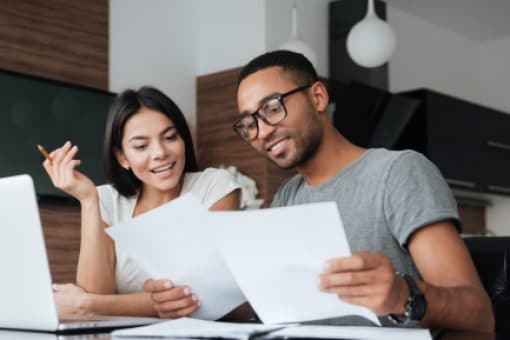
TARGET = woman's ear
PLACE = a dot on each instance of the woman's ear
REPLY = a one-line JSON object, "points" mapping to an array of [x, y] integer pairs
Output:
{"points": [[320, 96], [121, 158]]}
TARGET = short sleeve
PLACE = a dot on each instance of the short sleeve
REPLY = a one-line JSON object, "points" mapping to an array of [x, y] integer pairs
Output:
{"points": [[106, 203], [416, 195], [212, 185]]}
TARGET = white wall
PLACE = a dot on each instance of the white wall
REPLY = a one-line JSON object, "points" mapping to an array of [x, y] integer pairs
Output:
{"points": [[168, 44], [495, 75], [229, 33], [153, 43], [312, 19], [432, 57]]}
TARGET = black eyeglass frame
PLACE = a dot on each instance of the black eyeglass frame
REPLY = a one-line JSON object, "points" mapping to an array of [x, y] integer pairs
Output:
{"points": [[257, 114]]}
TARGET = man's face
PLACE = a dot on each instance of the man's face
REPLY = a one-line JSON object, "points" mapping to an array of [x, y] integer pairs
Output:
{"points": [[295, 139]]}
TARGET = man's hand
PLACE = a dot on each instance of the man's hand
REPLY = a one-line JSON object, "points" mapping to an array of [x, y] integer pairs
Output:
{"points": [[171, 301], [366, 279]]}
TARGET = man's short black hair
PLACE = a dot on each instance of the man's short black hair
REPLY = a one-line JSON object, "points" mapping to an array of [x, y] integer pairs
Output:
{"points": [[298, 66]]}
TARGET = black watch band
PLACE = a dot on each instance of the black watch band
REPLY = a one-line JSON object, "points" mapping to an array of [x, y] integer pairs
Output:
{"points": [[415, 306]]}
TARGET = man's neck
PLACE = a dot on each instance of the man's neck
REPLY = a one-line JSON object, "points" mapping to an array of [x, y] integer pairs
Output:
{"points": [[333, 155]]}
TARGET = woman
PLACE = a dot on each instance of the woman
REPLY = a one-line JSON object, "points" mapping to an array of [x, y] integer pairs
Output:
{"points": [[149, 160]]}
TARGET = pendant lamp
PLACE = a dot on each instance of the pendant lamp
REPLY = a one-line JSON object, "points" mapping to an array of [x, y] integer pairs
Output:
{"points": [[371, 42], [297, 45]]}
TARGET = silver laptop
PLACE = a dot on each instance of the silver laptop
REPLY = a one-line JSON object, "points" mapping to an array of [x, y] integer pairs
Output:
{"points": [[26, 295]]}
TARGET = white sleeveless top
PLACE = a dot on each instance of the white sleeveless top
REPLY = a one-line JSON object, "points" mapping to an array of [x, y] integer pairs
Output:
{"points": [[208, 186]]}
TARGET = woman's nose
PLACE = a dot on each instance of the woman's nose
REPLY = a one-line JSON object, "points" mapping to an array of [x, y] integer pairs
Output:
{"points": [[158, 150]]}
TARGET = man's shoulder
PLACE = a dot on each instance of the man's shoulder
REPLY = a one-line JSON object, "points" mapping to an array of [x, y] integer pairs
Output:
{"points": [[379, 159], [387, 155], [292, 183]]}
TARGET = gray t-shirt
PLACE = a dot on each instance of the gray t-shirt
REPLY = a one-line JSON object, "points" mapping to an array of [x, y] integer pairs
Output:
{"points": [[383, 198]]}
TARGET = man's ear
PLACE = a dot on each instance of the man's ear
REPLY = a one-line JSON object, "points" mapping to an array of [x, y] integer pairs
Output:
{"points": [[320, 96], [121, 158]]}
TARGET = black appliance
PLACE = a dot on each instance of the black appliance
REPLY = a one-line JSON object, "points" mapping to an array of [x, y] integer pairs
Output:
{"points": [[39, 111]]}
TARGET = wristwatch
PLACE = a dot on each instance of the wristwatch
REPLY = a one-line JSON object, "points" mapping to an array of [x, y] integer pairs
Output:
{"points": [[415, 306]]}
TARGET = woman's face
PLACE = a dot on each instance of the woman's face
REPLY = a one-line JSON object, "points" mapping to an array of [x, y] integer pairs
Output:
{"points": [[153, 150]]}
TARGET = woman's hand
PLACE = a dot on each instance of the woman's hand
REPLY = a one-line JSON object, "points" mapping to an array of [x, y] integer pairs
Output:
{"points": [[62, 171], [171, 301], [70, 299]]}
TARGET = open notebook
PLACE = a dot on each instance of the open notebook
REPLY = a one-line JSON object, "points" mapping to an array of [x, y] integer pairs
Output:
{"points": [[26, 293]]}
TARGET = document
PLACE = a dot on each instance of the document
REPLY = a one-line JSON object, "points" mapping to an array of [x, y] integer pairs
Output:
{"points": [[272, 257], [172, 242], [276, 256], [350, 332], [193, 328]]}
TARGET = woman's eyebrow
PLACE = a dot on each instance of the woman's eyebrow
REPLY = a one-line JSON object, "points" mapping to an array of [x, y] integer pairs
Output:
{"points": [[141, 137]]}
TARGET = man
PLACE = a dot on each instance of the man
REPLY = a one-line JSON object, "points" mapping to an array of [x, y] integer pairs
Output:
{"points": [[400, 218], [398, 213]]}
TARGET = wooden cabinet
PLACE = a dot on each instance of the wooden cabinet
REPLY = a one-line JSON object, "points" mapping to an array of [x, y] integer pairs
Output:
{"points": [[61, 228], [469, 143], [219, 145]]}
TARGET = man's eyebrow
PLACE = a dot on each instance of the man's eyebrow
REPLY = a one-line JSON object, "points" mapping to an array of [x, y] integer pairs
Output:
{"points": [[261, 102]]}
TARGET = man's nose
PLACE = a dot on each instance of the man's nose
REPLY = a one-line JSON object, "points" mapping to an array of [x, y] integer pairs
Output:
{"points": [[265, 130]]}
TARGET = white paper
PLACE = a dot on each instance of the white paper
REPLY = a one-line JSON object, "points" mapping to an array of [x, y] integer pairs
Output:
{"points": [[276, 256], [193, 328], [342, 332], [172, 242]]}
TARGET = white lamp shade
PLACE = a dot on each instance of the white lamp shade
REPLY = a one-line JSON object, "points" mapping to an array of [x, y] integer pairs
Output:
{"points": [[299, 46], [371, 42]]}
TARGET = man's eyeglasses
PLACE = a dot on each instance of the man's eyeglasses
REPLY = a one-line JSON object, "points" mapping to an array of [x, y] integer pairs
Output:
{"points": [[272, 111]]}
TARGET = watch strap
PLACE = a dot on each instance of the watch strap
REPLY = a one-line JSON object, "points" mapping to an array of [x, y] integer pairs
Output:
{"points": [[413, 292]]}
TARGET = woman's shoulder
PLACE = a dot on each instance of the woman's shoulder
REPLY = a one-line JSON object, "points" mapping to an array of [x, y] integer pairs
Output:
{"points": [[209, 175], [209, 185], [109, 196], [106, 191]]}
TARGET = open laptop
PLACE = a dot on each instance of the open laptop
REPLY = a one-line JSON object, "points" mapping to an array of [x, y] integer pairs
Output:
{"points": [[26, 294]]}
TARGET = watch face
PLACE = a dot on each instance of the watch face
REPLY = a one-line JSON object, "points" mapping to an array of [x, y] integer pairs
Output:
{"points": [[416, 307]]}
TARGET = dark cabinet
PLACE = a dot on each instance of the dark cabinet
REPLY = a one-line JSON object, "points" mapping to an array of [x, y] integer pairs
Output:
{"points": [[469, 143]]}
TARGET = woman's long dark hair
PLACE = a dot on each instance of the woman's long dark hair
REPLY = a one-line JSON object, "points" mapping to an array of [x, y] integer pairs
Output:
{"points": [[124, 106]]}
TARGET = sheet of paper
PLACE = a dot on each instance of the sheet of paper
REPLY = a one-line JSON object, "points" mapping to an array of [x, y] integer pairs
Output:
{"points": [[173, 242], [341, 332], [193, 328], [276, 256]]}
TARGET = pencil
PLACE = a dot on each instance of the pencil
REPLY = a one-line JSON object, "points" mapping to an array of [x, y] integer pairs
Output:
{"points": [[44, 152]]}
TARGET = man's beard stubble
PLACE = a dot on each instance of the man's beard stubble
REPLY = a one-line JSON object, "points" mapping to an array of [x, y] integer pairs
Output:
{"points": [[306, 147]]}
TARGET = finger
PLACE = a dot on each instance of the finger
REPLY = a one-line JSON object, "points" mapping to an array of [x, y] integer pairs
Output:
{"points": [[371, 302], [353, 278], [180, 313], [153, 286], [187, 311], [171, 294], [67, 172], [70, 154], [58, 156], [57, 287], [174, 305], [358, 261], [61, 152], [49, 169], [353, 291]]}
